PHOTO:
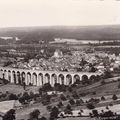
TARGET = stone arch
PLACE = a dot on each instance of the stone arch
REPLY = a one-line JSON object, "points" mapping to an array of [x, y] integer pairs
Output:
{"points": [[14, 76], [76, 79], [29, 82], [40, 79], [53, 79], [34, 78], [68, 79], [5, 74], [61, 79], [19, 78], [1, 73], [23, 75], [85, 79], [92, 78], [9, 75], [47, 78]]}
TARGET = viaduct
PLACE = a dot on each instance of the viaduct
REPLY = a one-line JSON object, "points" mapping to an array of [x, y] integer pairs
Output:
{"points": [[38, 78]]}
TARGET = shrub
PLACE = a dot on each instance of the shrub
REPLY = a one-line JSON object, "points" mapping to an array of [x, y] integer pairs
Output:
{"points": [[78, 103], [10, 115], [102, 82], [60, 104], [70, 89], [62, 97], [94, 93], [31, 94], [68, 109], [90, 106], [34, 114], [13, 97], [40, 91], [49, 108]]}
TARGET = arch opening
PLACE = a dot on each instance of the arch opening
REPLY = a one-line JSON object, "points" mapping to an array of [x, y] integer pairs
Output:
{"points": [[53, 79], [76, 79], [85, 79], [34, 79], [18, 78], [14, 77], [68, 79], [29, 82], [40, 79], [61, 79], [23, 77], [47, 78], [9, 75]]}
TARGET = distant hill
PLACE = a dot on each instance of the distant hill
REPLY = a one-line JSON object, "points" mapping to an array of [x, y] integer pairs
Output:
{"points": [[107, 32]]}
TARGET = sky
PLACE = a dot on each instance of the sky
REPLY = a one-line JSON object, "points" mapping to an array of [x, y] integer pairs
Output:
{"points": [[17, 13]]}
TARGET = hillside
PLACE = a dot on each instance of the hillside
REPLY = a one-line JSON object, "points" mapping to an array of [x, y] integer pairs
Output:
{"points": [[107, 32]]}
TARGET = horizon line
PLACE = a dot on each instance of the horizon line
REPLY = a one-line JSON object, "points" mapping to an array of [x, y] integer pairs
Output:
{"points": [[59, 26]]}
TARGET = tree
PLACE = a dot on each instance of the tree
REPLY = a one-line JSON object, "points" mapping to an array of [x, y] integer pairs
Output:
{"points": [[107, 74], [10, 115], [54, 113], [45, 99], [34, 114], [68, 109], [71, 101], [24, 97], [40, 91], [43, 118], [102, 98], [75, 95], [114, 97], [57, 87], [95, 113], [92, 69], [119, 85], [49, 108], [107, 114], [83, 62], [47, 87], [78, 103], [13, 97]]}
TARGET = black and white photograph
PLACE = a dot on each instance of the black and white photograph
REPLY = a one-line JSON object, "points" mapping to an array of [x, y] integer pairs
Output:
{"points": [[59, 59]]}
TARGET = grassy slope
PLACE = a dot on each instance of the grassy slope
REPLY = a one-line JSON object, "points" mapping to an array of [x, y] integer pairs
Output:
{"points": [[106, 89], [110, 88]]}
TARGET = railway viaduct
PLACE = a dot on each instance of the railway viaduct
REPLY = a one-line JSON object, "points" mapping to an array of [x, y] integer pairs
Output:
{"points": [[38, 78]]}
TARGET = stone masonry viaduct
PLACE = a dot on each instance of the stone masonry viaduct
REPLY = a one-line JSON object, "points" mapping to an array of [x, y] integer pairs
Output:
{"points": [[38, 78]]}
